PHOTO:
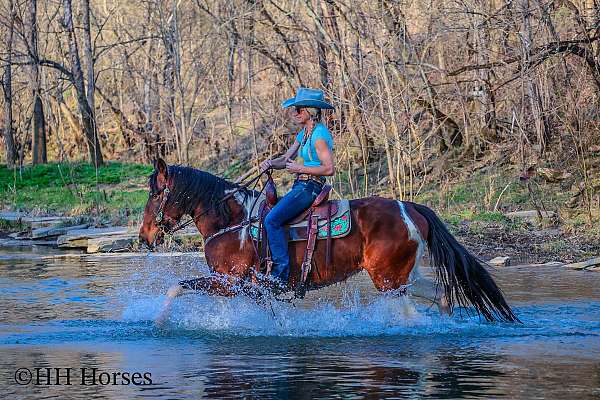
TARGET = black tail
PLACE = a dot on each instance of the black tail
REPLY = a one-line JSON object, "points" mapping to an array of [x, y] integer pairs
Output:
{"points": [[463, 276]]}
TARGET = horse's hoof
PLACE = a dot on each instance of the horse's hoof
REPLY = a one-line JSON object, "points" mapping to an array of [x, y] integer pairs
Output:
{"points": [[444, 308], [160, 321], [174, 291]]}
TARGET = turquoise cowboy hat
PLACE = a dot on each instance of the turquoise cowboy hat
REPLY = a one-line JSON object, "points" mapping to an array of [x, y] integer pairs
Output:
{"points": [[306, 97]]}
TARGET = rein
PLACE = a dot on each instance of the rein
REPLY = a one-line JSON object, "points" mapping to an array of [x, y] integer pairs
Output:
{"points": [[244, 223], [160, 212]]}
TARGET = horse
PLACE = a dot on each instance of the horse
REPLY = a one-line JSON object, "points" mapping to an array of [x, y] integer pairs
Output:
{"points": [[387, 239]]}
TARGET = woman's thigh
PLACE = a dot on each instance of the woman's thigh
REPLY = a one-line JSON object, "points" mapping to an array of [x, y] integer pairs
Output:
{"points": [[292, 204]]}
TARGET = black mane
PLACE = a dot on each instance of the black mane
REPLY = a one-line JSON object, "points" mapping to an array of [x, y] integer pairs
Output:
{"points": [[191, 186]]}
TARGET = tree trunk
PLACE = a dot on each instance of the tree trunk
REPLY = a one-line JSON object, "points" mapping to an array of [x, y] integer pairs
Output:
{"points": [[169, 37], [87, 115], [9, 143], [321, 49], [481, 27], [537, 110], [88, 55], [39, 155], [154, 147], [232, 49]]}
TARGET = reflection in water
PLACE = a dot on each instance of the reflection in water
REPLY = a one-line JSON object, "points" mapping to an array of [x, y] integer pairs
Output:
{"points": [[344, 341]]}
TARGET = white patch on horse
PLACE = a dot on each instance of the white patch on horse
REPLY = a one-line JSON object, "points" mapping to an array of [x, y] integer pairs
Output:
{"points": [[239, 198], [414, 235]]}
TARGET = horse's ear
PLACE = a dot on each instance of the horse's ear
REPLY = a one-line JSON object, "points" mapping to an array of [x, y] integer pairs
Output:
{"points": [[163, 171]]}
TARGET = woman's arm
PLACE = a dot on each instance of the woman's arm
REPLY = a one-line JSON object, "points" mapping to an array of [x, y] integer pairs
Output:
{"points": [[279, 162], [325, 156]]}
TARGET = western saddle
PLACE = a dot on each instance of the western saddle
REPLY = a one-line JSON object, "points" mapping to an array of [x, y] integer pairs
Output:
{"points": [[320, 209]]}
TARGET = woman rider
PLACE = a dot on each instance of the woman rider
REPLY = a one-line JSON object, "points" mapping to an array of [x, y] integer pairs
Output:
{"points": [[314, 144]]}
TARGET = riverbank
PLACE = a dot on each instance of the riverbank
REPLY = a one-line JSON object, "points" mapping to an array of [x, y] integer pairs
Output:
{"points": [[112, 194]]}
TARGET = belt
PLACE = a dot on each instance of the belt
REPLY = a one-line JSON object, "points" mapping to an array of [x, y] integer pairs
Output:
{"points": [[305, 177]]}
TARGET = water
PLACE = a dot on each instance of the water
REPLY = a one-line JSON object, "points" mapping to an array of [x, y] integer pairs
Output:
{"points": [[342, 342]]}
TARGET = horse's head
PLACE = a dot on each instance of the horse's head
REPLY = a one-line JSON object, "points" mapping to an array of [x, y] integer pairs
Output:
{"points": [[160, 215]]}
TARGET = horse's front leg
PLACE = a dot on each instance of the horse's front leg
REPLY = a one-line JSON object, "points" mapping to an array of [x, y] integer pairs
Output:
{"points": [[226, 286], [214, 285]]}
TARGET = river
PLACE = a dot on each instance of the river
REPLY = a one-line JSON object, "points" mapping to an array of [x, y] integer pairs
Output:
{"points": [[347, 341]]}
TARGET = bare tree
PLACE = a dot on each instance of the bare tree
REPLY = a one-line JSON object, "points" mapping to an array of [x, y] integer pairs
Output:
{"points": [[417, 86], [542, 128], [87, 114], [39, 155], [9, 143], [88, 56]]}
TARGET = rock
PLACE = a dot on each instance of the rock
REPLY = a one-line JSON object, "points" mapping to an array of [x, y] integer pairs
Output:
{"points": [[553, 175], [594, 262], [79, 237], [20, 235], [547, 264], [54, 231], [110, 244], [25, 242], [499, 261], [34, 220]]}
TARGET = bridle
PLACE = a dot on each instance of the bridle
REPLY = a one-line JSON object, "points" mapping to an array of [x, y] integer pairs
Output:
{"points": [[159, 216], [160, 213]]}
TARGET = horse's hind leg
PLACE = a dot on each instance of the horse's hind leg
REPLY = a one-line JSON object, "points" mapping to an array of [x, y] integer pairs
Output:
{"points": [[393, 259], [427, 289]]}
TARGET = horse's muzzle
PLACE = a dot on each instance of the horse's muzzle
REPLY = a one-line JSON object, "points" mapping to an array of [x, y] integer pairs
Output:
{"points": [[145, 243]]}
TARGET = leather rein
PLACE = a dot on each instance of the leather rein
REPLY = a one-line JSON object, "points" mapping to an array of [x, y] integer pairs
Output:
{"points": [[160, 213]]}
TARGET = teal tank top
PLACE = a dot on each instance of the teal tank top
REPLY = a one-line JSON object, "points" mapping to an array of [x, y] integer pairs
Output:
{"points": [[308, 152]]}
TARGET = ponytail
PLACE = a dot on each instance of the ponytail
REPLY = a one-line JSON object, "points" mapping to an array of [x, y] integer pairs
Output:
{"points": [[315, 114]]}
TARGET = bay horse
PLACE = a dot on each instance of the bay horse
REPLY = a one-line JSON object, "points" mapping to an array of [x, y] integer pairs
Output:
{"points": [[387, 239]]}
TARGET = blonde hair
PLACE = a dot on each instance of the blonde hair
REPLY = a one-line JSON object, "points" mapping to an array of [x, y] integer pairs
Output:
{"points": [[315, 113]]}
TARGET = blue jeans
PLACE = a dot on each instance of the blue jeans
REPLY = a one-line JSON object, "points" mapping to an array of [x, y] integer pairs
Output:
{"points": [[299, 199]]}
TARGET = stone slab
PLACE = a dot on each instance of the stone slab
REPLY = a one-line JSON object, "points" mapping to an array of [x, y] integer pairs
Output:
{"points": [[500, 261], [55, 231], [111, 243], [33, 221], [584, 264], [79, 237]]}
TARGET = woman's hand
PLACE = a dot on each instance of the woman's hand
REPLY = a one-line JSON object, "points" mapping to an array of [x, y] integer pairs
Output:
{"points": [[265, 165], [293, 167]]}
